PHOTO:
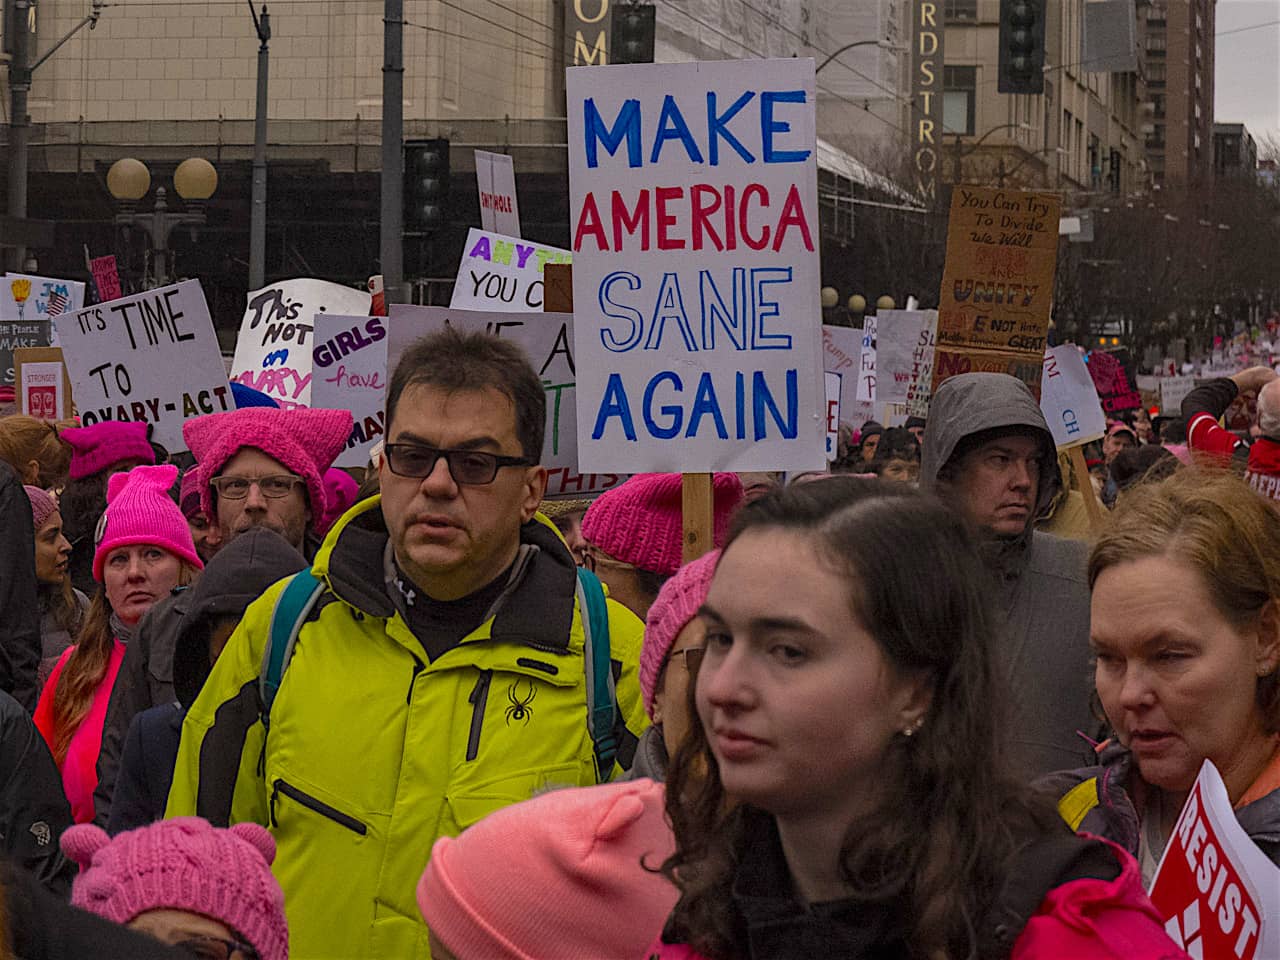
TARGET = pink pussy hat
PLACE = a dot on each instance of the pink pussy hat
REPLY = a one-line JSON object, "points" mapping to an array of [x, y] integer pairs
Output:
{"points": [[678, 603], [641, 521], [562, 875], [183, 864], [95, 448], [139, 510], [306, 441], [43, 506]]}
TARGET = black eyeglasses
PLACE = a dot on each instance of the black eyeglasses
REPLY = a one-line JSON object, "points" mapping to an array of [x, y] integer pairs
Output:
{"points": [[216, 948], [472, 467]]}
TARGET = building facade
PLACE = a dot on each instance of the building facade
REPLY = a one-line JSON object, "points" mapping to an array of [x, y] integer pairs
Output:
{"points": [[1178, 40], [1235, 154]]}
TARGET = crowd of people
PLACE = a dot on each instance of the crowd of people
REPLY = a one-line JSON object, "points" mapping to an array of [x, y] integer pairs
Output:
{"points": [[930, 703]]}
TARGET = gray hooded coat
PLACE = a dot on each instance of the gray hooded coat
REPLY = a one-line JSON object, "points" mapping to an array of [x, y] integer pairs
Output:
{"points": [[1039, 580]]}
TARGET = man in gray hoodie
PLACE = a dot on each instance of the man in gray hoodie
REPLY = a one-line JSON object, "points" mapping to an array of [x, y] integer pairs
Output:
{"points": [[988, 453]]}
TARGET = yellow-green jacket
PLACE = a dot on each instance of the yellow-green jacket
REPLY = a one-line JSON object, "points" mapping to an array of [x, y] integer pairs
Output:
{"points": [[374, 752]]}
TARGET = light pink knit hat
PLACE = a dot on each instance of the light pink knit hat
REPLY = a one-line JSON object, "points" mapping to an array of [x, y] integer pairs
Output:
{"points": [[43, 506], [307, 441], [641, 521], [557, 876], [183, 864], [139, 510], [95, 448], [678, 602]]}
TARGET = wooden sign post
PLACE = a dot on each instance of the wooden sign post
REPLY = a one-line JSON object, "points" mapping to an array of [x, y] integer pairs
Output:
{"points": [[1085, 486]]}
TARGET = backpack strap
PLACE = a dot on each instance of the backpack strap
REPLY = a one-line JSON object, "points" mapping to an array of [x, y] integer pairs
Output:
{"points": [[293, 607], [602, 707]]}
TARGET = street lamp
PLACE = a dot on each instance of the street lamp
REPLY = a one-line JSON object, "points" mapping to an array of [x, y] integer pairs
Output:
{"points": [[979, 142], [882, 44], [128, 181]]}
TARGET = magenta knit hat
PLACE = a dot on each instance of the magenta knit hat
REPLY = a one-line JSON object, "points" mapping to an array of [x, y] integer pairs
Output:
{"points": [[641, 521], [43, 506], [189, 494], [139, 510], [678, 602], [307, 441], [95, 448], [562, 875], [340, 492], [183, 864]]}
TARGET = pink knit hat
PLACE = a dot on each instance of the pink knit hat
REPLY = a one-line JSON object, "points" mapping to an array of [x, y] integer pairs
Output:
{"points": [[307, 441], [640, 522], [183, 864], [678, 602], [95, 448], [562, 875], [189, 494], [43, 506], [340, 491], [139, 510]]}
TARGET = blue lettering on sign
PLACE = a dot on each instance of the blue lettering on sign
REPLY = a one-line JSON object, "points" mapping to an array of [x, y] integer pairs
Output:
{"points": [[718, 127], [671, 126], [626, 125], [769, 126]]}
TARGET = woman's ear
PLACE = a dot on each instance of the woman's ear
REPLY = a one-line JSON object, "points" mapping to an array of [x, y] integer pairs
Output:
{"points": [[31, 476], [913, 698], [1267, 654]]}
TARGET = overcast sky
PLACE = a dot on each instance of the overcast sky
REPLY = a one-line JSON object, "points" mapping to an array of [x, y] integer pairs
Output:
{"points": [[1247, 63]]}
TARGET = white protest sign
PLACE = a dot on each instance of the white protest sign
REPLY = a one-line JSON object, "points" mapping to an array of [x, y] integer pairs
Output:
{"points": [[150, 358], [694, 217], [867, 362], [40, 392], [273, 350], [349, 372], [901, 336], [833, 381], [496, 180], [1217, 892], [1069, 400], [548, 340], [1173, 390], [32, 298], [841, 353], [502, 273]]}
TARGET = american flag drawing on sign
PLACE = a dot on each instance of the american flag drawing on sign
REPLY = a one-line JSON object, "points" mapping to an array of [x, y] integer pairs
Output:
{"points": [[57, 303]]}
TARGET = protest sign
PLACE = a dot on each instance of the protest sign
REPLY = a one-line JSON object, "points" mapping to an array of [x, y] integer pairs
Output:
{"points": [[349, 372], [904, 344], [1214, 888], [1114, 387], [150, 358], [833, 413], [42, 386], [16, 334], [273, 350], [1172, 392], [997, 286], [548, 340], [106, 278], [866, 392], [1068, 399], [841, 353], [31, 298], [496, 179], [502, 273], [693, 205]]}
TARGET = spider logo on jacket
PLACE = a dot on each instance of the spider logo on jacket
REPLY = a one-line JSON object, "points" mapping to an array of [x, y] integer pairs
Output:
{"points": [[520, 709]]}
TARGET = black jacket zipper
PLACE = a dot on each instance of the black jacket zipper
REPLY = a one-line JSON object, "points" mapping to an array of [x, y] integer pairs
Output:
{"points": [[479, 697], [318, 806]]}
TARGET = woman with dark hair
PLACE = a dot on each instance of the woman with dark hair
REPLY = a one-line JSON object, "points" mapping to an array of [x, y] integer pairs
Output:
{"points": [[844, 793], [62, 607], [897, 457]]}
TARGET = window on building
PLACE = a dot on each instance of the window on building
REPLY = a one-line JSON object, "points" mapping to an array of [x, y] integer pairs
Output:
{"points": [[959, 91], [961, 10]]}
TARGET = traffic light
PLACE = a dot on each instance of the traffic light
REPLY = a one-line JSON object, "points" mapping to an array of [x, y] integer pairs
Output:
{"points": [[631, 39], [426, 184], [1021, 66]]}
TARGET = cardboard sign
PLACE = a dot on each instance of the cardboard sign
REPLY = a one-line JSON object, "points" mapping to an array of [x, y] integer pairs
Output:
{"points": [[833, 381], [548, 340], [997, 287], [867, 392], [349, 372], [42, 386], [16, 334], [150, 358], [1173, 390], [502, 273], [106, 278], [496, 180], [31, 298], [1216, 890], [273, 350], [694, 217], [1068, 400], [904, 349], [1111, 380]]}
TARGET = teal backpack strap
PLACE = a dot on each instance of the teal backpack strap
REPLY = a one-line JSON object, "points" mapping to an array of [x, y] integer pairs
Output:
{"points": [[602, 706], [293, 606]]}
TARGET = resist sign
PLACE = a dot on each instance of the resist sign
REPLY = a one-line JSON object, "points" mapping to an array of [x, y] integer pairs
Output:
{"points": [[693, 204], [151, 358]]}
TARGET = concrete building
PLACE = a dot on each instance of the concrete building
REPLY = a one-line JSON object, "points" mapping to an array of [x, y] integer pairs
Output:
{"points": [[1179, 44], [1235, 153]]}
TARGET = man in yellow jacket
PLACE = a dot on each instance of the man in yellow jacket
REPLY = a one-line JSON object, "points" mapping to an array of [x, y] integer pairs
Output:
{"points": [[439, 677]]}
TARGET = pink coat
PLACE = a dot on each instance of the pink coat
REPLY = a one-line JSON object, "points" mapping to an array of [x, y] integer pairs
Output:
{"points": [[1087, 919]]}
